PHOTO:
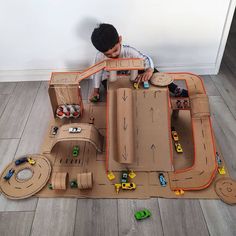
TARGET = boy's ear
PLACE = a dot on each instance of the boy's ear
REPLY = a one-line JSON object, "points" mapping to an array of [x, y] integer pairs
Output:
{"points": [[120, 39]]}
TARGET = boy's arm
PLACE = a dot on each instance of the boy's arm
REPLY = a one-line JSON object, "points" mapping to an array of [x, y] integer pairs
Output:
{"points": [[148, 63], [131, 52], [97, 78]]}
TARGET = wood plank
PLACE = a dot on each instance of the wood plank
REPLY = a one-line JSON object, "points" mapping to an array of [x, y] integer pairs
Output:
{"points": [[37, 123], [15, 223], [226, 85], [8, 149], [220, 217], [3, 103], [224, 125], [230, 52], [54, 217], [182, 217], [96, 217], [128, 225], [7, 87], [15, 115], [210, 87]]}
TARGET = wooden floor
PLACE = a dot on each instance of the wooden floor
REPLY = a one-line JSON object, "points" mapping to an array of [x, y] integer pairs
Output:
{"points": [[24, 116]]}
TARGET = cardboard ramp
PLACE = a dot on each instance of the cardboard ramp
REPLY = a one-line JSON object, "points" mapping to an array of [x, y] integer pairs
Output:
{"points": [[150, 115]]}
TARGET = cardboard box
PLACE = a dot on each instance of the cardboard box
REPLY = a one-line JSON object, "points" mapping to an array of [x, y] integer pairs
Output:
{"points": [[64, 89]]}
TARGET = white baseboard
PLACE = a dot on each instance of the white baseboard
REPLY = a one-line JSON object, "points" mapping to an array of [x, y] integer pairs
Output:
{"points": [[44, 75]]}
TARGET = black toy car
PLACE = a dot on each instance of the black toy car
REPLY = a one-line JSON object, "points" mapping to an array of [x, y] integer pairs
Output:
{"points": [[124, 177], [21, 160], [54, 130]]}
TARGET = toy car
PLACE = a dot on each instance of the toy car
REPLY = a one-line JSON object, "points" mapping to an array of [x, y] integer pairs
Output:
{"points": [[31, 161], [9, 174], [111, 175], [91, 120], [73, 183], [75, 151], [174, 134], [178, 104], [132, 174], [162, 180], [146, 84], [144, 214], [50, 186], [219, 161], [128, 186], [21, 160], [117, 187], [75, 130], [124, 177], [54, 130], [178, 148], [136, 85], [221, 170], [179, 192], [94, 99]]}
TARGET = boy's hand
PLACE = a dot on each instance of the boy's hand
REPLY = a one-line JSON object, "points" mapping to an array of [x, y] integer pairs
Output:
{"points": [[145, 76], [94, 97]]}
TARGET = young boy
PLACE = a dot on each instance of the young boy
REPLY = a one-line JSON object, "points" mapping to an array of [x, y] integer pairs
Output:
{"points": [[107, 41]]}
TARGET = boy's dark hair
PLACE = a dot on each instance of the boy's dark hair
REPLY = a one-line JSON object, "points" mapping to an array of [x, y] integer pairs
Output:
{"points": [[104, 37]]}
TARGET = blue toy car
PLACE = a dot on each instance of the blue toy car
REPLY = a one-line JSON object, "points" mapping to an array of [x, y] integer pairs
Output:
{"points": [[219, 161], [9, 174], [146, 84], [162, 180], [21, 160]]}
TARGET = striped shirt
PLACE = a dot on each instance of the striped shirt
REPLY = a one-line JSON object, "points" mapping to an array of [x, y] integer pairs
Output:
{"points": [[126, 52]]}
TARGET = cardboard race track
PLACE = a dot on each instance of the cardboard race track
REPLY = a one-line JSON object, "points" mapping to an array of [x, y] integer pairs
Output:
{"points": [[131, 131]]}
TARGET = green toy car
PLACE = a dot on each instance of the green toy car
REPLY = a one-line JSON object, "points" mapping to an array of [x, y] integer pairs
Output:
{"points": [[140, 215], [75, 151], [73, 183]]}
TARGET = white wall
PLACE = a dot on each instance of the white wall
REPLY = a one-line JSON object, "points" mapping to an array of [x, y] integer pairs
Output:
{"points": [[53, 35]]}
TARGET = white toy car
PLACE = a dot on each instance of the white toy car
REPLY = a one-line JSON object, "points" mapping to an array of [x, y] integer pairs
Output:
{"points": [[75, 130]]}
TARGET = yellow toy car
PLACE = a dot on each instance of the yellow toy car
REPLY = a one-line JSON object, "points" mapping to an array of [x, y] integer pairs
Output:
{"points": [[179, 192], [221, 170], [178, 148], [31, 161], [128, 186]]}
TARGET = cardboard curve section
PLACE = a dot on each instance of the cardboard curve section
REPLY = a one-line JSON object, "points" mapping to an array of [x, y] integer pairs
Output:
{"points": [[203, 171]]}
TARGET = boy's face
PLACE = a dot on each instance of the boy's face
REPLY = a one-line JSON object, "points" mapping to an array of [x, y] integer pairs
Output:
{"points": [[115, 51]]}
